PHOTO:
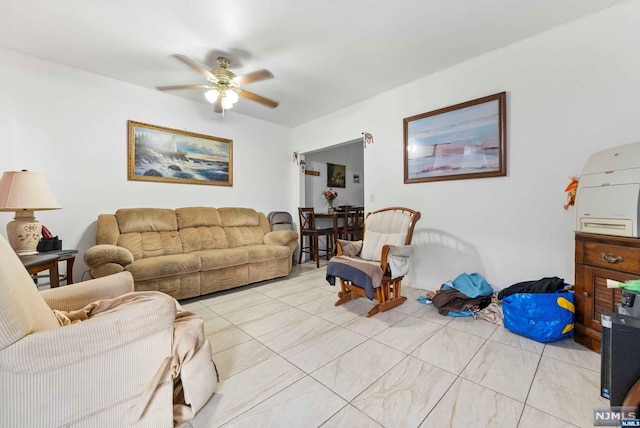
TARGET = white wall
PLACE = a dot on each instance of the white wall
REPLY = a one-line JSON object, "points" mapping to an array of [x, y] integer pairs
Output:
{"points": [[571, 91], [72, 126], [349, 155]]}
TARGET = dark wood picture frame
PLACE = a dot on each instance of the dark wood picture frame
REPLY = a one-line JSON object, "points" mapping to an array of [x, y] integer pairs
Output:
{"points": [[466, 140], [156, 153], [336, 175]]}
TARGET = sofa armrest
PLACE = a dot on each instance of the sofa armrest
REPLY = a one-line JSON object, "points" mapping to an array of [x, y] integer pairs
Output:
{"points": [[281, 237], [77, 296], [107, 259], [68, 345]]}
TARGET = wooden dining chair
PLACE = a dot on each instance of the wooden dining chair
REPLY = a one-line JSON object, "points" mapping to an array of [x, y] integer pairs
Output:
{"points": [[352, 224], [308, 229]]}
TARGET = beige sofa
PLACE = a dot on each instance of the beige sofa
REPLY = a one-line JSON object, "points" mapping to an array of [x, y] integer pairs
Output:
{"points": [[191, 251]]}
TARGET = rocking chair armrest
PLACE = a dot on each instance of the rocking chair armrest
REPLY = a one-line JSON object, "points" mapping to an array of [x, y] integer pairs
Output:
{"points": [[383, 258], [401, 250]]}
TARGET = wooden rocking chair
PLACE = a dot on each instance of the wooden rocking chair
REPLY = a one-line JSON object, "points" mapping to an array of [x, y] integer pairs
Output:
{"points": [[375, 266]]}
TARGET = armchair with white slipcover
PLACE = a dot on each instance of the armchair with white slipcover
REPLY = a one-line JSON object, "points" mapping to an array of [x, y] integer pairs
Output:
{"points": [[109, 370]]}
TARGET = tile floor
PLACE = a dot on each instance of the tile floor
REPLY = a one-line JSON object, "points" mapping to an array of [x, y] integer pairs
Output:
{"points": [[289, 358]]}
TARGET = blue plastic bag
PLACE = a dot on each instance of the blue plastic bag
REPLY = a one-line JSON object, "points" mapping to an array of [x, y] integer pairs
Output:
{"points": [[543, 317]]}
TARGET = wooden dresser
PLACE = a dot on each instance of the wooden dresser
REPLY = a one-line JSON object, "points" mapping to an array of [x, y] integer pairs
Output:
{"points": [[598, 258]]}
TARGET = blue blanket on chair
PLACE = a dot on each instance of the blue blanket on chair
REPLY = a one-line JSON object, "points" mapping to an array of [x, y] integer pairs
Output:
{"points": [[361, 274]]}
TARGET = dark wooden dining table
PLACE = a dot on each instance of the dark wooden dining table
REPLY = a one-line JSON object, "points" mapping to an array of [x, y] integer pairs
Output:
{"points": [[335, 216]]}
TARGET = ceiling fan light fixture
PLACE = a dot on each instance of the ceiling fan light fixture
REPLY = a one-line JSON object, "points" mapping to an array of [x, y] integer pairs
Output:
{"points": [[226, 103], [211, 96], [231, 95]]}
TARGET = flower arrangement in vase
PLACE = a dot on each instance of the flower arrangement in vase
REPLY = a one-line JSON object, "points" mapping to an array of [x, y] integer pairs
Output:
{"points": [[329, 196]]}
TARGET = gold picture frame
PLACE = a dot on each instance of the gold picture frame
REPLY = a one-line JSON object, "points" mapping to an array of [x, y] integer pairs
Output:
{"points": [[171, 155]]}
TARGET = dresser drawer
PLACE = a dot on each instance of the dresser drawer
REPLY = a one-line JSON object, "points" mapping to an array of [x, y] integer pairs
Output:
{"points": [[619, 258]]}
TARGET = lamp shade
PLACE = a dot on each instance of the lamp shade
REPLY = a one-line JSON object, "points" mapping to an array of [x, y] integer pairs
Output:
{"points": [[24, 190]]}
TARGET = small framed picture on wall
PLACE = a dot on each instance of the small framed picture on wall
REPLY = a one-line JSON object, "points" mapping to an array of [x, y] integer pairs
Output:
{"points": [[336, 175]]}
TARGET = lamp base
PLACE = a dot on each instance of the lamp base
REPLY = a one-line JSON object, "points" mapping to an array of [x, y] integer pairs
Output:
{"points": [[23, 233]]}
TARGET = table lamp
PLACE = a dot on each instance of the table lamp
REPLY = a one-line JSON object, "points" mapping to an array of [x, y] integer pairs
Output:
{"points": [[25, 192]]}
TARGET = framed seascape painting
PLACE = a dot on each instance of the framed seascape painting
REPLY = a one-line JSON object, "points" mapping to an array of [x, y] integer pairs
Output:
{"points": [[466, 140], [336, 175], [174, 156]]}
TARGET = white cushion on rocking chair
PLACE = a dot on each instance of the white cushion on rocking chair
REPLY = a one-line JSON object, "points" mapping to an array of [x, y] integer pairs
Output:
{"points": [[384, 228]]}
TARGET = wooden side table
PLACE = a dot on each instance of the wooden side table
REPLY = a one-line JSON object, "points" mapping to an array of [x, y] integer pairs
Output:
{"points": [[50, 261], [41, 262]]}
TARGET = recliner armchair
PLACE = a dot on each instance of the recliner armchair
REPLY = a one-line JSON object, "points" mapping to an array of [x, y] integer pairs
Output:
{"points": [[110, 370], [374, 267]]}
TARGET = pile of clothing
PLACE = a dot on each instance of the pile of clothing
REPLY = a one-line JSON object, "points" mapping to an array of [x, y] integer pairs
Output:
{"points": [[467, 295]]}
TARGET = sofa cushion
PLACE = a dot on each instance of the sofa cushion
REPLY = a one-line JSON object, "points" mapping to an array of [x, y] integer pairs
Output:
{"points": [[164, 266], [202, 238], [262, 253], [146, 220], [151, 244], [197, 216], [222, 258], [232, 217]]}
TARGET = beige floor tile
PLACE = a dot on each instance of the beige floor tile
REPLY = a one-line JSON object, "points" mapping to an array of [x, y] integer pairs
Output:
{"points": [[273, 322], [370, 326], [302, 297], [534, 418], [503, 368], [295, 406], [241, 357], [322, 349], [430, 313], [507, 337], [405, 394], [202, 311], [286, 288], [296, 334], [467, 404], [255, 312], [347, 311], [227, 337], [407, 334], [566, 391], [352, 372], [350, 417], [319, 305], [255, 327], [569, 351], [243, 391], [449, 349], [214, 324], [227, 304]]}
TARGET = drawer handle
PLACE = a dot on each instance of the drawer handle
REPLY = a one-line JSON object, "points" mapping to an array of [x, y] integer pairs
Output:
{"points": [[611, 258], [585, 294]]}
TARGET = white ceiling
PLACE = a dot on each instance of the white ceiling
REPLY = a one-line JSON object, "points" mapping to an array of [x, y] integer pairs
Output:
{"points": [[325, 55]]}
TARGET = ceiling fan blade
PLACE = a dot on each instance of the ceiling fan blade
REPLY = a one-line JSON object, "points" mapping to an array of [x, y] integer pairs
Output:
{"points": [[174, 87], [258, 98], [255, 76], [200, 68]]}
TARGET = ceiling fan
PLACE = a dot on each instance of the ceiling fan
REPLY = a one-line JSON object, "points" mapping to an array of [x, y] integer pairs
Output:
{"points": [[224, 87]]}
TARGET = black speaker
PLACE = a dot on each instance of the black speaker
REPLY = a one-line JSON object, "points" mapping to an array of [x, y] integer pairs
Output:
{"points": [[619, 356]]}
